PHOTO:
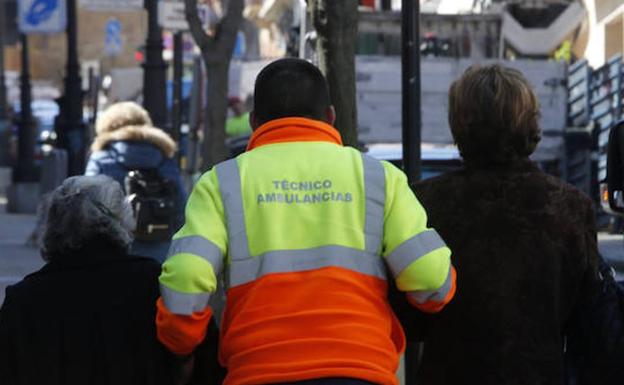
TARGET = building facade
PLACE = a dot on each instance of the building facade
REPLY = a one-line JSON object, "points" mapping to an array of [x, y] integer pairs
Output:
{"points": [[604, 35], [106, 40]]}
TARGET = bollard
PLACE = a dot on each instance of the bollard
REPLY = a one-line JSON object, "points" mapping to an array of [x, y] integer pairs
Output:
{"points": [[53, 173], [53, 170], [5, 135]]}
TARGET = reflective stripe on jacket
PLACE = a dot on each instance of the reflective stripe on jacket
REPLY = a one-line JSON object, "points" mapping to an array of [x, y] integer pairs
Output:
{"points": [[303, 230]]}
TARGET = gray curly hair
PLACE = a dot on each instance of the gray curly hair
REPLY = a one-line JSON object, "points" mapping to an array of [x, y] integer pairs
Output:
{"points": [[84, 210]]}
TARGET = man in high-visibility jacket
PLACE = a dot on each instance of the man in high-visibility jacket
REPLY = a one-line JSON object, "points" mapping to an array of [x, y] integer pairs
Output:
{"points": [[303, 229]]}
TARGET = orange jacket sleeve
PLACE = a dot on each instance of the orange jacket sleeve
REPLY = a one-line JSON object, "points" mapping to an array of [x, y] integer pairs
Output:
{"points": [[181, 333]]}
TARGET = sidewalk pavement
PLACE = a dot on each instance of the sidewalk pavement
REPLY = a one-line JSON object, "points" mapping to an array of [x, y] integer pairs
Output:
{"points": [[17, 259]]}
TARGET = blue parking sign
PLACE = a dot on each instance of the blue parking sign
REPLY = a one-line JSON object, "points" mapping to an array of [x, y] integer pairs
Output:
{"points": [[113, 43], [42, 16]]}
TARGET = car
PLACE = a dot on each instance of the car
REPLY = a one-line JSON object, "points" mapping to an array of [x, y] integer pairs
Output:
{"points": [[436, 158], [44, 111]]}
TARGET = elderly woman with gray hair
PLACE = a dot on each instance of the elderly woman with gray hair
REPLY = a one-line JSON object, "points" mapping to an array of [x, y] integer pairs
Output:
{"points": [[87, 316]]}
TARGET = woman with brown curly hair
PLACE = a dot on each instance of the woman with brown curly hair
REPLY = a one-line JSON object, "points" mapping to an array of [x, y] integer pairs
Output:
{"points": [[524, 243]]}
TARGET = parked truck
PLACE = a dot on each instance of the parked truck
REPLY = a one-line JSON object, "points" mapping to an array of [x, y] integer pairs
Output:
{"points": [[378, 85]]}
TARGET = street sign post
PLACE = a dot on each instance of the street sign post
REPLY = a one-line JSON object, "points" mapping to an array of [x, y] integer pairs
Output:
{"points": [[411, 119], [154, 69], [171, 15], [42, 16], [410, 37], [69, 124]]}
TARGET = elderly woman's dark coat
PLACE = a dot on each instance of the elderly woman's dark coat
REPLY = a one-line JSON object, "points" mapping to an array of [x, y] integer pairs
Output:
{"points": [[82, 319], [525, 251]]}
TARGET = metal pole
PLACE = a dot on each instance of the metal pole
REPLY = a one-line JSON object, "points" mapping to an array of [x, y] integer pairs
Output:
{"points": [[178, 68], [91, 86], [70, 130], [196, 109], [3, 31], [154, 69], [410, 40], [5, 124], [95, 93], [303, 18], [24, 170], [411, 88]]}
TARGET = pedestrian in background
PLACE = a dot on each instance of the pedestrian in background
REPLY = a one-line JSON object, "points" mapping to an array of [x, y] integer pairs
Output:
{"points": [[127, 142], [87, 316], [238, 123], [524, 243], [304, 228]]}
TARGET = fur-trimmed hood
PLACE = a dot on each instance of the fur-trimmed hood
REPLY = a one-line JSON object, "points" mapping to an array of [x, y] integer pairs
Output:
{"points": [[148, 134]]}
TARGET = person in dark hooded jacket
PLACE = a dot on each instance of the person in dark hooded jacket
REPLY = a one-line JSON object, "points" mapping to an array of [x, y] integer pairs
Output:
{"points": [[126, 140], [524, 243]]}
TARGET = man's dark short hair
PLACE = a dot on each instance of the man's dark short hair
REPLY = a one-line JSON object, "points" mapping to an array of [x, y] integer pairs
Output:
{"points": [[290, 87]]}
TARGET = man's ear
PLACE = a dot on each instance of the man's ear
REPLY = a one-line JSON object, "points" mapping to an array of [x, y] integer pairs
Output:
{"points": [[330, 115], [253, 121]]}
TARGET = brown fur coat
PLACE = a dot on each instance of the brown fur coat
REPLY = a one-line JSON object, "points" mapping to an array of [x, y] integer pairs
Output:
{"points": [[524, 246]]}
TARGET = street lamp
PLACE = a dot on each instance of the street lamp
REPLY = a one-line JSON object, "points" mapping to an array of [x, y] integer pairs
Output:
{"points": [[24, 170], [70, 126], [154, 69]]}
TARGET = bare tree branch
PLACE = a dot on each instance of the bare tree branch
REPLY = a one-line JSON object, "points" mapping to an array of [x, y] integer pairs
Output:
{"points": [[216, 51], [231, 22], [222, 43], [195, 25]]}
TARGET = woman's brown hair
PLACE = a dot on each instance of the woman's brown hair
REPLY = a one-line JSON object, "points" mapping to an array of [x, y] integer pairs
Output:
{"points": [[493, 114]]}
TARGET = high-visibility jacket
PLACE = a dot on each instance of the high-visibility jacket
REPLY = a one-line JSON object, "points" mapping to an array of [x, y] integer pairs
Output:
{"points": [[304, 230]]}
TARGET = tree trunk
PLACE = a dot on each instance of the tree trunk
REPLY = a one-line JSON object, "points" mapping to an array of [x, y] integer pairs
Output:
{"points": [[216, 51], [213, 145], [336, 25]]}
